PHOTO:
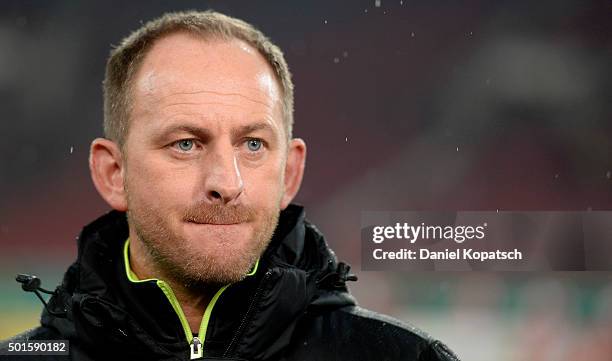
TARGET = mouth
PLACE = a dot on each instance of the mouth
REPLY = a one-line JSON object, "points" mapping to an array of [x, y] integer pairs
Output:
{"points": [[216, 223]]}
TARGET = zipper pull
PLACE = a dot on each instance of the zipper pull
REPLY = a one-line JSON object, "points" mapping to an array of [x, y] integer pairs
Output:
{"points": [[196, 349]]}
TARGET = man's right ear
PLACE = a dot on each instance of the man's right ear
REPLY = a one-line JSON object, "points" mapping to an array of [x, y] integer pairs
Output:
{"points": [[107, 172]]}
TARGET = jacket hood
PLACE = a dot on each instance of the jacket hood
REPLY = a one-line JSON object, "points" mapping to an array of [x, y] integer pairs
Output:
{"points": [[98, 308]]}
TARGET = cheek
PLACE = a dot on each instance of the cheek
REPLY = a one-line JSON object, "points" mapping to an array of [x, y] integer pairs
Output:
{"points": [[156, 184], [264, 185]]}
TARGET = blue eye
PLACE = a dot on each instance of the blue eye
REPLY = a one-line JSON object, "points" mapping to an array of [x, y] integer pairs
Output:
{"points": [[185, 145], [254, 145]]}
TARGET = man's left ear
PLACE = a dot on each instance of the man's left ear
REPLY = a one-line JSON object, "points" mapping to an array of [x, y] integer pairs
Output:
{"points": [[294, 170]]}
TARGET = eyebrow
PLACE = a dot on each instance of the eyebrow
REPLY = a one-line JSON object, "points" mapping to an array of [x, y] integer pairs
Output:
{"points": [[206, 134], [199, 132], [251, 128]]}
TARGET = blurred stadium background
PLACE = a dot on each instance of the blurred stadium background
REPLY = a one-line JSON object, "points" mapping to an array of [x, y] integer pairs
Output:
{"points": [[405, 105]]}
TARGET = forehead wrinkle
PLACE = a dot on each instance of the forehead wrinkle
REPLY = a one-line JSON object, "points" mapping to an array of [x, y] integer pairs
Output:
{"points": [[210, 119], [158, 100], [215, 93], [200, 103]]}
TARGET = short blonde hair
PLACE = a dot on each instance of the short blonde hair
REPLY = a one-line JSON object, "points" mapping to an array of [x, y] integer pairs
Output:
{"points": [[126, 58]]}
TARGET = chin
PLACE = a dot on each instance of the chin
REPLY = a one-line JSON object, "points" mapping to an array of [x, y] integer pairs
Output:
{"points": [[219, 266], [221, 243]]}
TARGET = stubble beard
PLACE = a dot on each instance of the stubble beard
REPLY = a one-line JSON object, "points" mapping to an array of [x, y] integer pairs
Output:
{"points": [[174, 257]]}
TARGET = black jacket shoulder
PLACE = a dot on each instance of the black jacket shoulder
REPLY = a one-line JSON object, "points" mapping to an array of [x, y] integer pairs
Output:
{"points": [[354, 333]]}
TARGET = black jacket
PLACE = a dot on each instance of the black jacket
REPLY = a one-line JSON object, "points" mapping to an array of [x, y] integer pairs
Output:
{"points": [[295, 307]]}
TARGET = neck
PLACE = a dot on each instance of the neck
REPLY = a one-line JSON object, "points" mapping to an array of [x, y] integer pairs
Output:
{"points": [[193, 301]]}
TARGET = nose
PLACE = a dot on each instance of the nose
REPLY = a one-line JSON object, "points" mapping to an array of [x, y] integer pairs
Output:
{"points": [[223, 182]]}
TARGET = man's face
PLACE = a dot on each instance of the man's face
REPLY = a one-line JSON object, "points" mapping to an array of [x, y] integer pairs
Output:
{"points": [[205, 157]]}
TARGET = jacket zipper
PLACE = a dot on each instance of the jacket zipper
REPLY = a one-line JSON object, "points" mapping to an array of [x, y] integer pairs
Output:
{"points": [[196, 344], [247, 315]]}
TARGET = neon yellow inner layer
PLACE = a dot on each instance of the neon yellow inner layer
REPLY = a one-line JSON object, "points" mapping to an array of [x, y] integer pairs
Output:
{"points": [[167, 290]]}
